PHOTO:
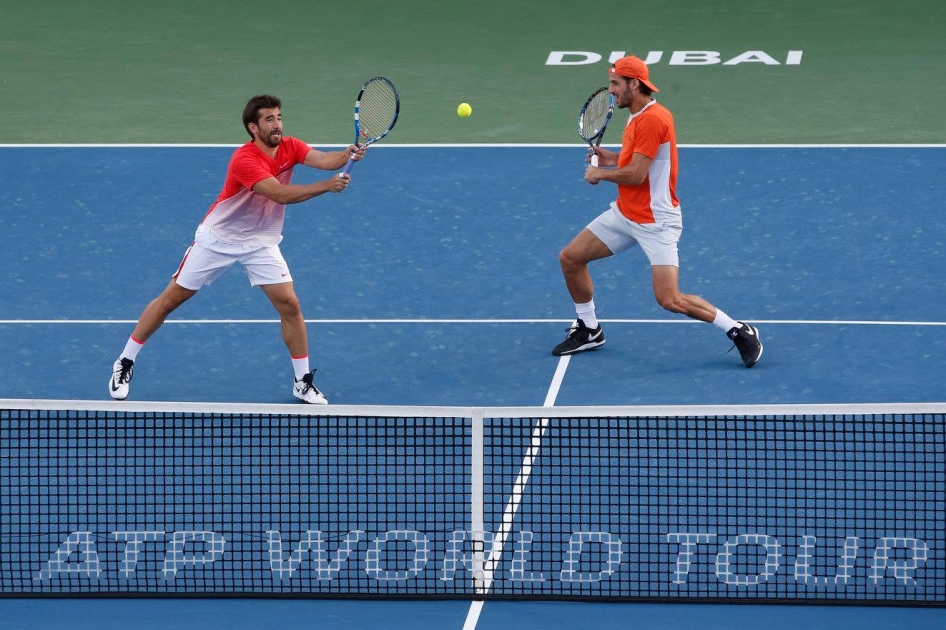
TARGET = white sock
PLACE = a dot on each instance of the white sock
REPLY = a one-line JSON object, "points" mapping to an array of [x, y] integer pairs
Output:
{"points": [[586, 313], [724, 322], [132, 348], [300, 366]]}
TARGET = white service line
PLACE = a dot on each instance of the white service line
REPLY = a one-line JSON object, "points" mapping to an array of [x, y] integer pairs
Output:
{"points": [[509, 514], [805, 322]]}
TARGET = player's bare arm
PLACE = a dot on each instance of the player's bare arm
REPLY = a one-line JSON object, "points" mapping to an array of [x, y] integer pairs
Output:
{"points": [[295, 193], [631, 175], [333, 160]]}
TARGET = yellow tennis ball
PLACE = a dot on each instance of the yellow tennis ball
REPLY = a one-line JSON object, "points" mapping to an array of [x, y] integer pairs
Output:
{"points": [[464, 110]]}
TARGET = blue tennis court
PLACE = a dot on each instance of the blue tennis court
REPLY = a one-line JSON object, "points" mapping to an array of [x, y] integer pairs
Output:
{"points": [[377, 615], [433, 280]]}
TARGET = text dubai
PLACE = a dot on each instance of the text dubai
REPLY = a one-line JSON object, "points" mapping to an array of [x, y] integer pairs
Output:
{"points": [[679, 58]]}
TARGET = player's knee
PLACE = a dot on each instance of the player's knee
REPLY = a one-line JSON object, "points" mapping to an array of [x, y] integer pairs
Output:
{"points": [[568, 261], [671, 301], [290, 307]]}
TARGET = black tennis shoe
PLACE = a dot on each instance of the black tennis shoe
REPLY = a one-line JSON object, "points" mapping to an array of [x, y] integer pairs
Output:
{"points": [[746, 339], [579, 339]]}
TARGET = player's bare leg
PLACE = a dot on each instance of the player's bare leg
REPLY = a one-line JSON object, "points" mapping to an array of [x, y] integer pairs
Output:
{"points": [[151, 319], [574, 259], [158, 310], [585, 334], [286, 302], [667, 292], [284, 299]]}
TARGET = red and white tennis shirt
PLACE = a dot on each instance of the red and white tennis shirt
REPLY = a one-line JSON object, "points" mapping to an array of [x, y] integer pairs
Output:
{"points": [[242, 216], [651, 133]]}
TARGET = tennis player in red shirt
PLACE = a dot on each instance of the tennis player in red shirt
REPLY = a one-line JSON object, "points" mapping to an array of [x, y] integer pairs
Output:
{"points": [[646, 213], [245, 225]]}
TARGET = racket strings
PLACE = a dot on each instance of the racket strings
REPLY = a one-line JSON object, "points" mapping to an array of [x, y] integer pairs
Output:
{"points": [[379, 105], [595, 116]]}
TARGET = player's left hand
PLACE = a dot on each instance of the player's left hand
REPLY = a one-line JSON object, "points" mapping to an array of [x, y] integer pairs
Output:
{"points": [[605, 157], [357, 152], [591, 175]]}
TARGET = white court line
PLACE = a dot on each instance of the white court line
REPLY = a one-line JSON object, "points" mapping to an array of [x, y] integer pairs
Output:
{"points": [[803, 322], [509, 514]]}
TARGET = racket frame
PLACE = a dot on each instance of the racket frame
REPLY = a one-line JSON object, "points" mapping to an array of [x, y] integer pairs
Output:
{"points": [[358, 134], [595, 141]]}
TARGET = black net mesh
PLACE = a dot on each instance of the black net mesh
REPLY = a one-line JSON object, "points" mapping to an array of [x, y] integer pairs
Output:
{"points": [[810, 508]]}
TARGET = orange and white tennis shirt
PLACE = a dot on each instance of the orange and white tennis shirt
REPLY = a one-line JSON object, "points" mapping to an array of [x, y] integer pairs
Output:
{"points": [[650, 132], [242, 216]]}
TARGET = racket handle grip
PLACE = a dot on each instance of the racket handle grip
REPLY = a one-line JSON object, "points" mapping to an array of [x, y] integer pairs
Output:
{"points": [[594, 159], [348, 166]]}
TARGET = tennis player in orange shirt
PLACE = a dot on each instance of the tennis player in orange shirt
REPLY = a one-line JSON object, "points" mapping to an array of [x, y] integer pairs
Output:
{"points": [[645, 213]]}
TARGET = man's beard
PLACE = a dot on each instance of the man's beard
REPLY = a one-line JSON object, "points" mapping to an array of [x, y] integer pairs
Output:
{"points": [[270, 142]]}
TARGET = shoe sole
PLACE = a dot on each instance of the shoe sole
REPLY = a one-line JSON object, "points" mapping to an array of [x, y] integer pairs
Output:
{"points": [[112, 393], [321, 402], [761, 347], [587, 346], [761, 350]]}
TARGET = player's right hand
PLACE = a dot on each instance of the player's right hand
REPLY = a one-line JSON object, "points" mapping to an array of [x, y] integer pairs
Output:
{"points": [[338, 183]]}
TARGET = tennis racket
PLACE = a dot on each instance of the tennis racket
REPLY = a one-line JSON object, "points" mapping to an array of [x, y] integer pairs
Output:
{"points": [[376, 111], [593, 119]]}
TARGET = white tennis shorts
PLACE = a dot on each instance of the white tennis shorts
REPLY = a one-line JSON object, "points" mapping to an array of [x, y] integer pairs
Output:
{"points": [[207, 259], [658, 240]]}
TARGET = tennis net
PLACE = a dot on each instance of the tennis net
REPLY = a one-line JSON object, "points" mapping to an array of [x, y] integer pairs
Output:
{"points": [[749, 503]]}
